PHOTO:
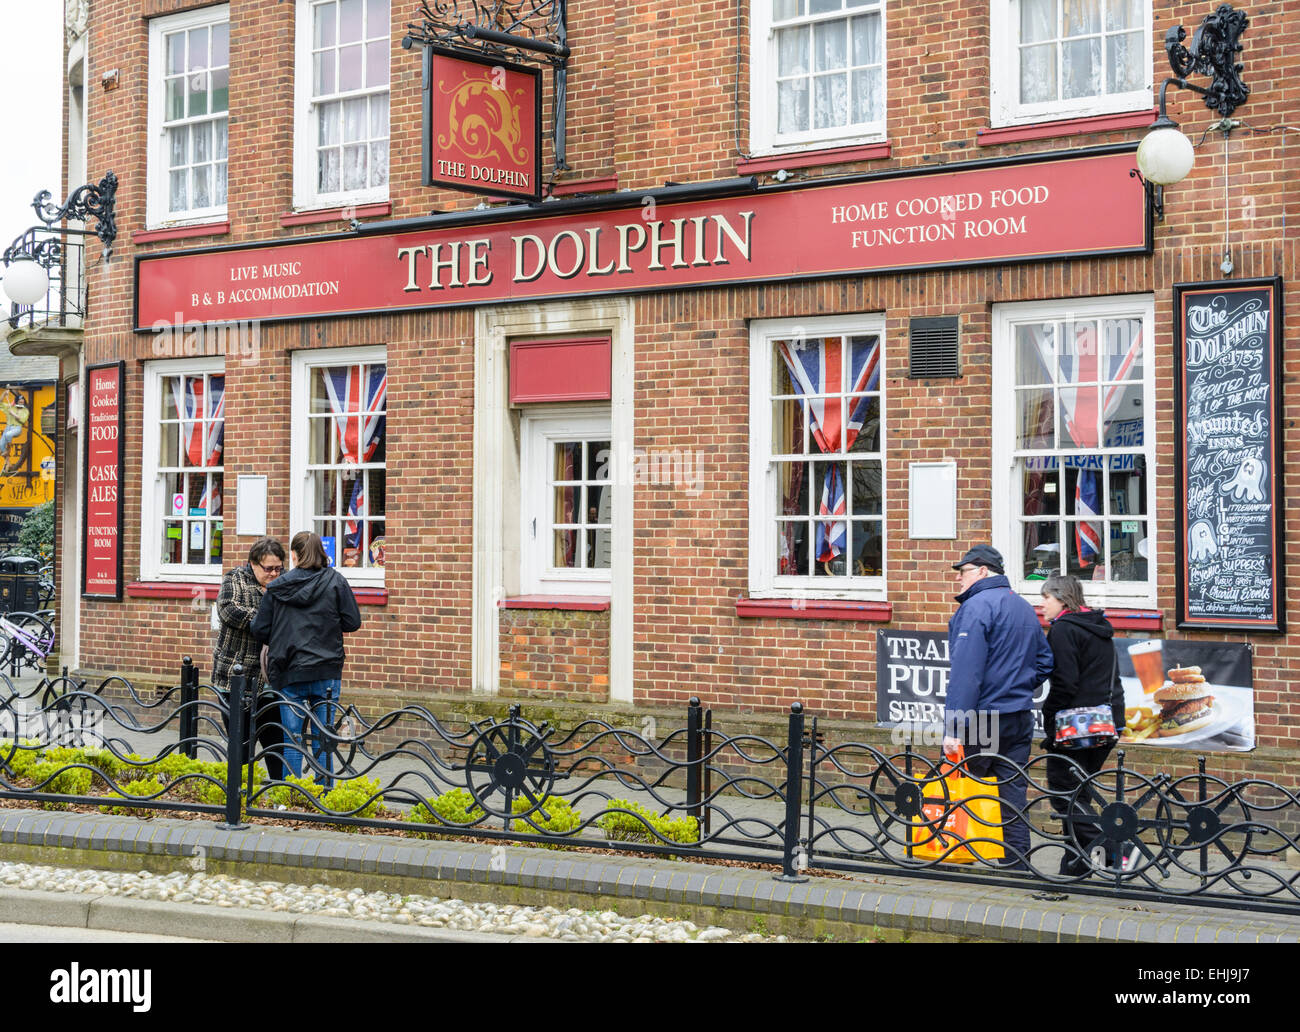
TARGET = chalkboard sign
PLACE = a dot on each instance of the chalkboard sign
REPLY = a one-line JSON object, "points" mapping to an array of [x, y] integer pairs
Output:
{"points": [[1228, 351]]}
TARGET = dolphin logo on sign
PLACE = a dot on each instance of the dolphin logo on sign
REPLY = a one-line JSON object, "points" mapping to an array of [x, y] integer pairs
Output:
{"points": [[484, 121]]}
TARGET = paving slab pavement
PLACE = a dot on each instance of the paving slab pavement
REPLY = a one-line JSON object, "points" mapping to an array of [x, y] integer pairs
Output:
{"points": [[882, 906]]}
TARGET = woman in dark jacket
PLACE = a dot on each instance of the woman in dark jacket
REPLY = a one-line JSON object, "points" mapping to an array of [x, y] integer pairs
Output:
{"points": [[303, 616], [1085, 674]]}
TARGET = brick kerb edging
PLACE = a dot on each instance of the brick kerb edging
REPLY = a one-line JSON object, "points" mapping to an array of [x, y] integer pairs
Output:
{"points": [[903, 906]]}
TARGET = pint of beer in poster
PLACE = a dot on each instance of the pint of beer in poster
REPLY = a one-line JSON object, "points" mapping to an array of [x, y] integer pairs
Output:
{"points": [[1149, 664]]}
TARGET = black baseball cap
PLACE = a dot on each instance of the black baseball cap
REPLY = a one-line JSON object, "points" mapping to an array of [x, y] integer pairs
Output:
{"points": [[981, 555]]}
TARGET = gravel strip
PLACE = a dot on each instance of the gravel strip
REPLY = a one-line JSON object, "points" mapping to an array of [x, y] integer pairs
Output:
{"points": [[221, 890]]}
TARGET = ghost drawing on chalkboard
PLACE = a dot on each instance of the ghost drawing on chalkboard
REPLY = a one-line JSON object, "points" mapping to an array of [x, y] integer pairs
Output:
{"points": [[1247, 482], [1200, 540]]}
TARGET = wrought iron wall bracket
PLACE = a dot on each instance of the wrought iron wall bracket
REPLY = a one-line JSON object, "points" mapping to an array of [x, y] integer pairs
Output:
{"points": [[1155, 195], [1213, 52], [511, 30], [92, 200]]}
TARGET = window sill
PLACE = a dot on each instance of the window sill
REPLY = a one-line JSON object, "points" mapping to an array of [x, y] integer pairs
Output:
{"points": [[1123, 619], [191, 590], [587, 603], [813, 158], [173, 589], [605, 184], [335, 214], [1065, 127], [814, 609], [153, 236]]}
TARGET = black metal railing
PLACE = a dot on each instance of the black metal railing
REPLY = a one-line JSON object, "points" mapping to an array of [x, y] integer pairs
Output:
{"points": [[801, 803]]}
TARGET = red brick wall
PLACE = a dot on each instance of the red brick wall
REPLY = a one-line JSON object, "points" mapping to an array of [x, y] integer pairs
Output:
{"points": [[547, 653], [654, 98]]}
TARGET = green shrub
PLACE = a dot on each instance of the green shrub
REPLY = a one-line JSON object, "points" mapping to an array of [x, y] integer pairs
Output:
{"points": [[623, 827], [25, 756], [36, 538], [559, 817], [168, 768], [143, 787], [104, 760], [62, 781], [455, 807], [291, 798], [354, 794]]}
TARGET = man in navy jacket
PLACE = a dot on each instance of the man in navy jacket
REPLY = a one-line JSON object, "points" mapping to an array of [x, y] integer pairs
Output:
{"points": [[999, 657]]}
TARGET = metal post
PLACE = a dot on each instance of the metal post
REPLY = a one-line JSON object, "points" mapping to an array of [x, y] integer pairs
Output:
{"points": [[235, 750], [790, 868], [812, 789], [907, 770], [1201, 797], [708, 774], [693, 758], [189, 703]]}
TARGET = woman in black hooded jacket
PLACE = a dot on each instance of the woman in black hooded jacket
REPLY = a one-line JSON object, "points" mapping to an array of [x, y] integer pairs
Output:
{"points": [[1085, 674]]}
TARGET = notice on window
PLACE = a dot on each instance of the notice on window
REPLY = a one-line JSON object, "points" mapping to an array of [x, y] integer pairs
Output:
{"points": [[1228, 350], [102, 569]]}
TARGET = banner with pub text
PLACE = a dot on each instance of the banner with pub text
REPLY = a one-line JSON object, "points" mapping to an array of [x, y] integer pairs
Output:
{"points": [[1177, 694]]}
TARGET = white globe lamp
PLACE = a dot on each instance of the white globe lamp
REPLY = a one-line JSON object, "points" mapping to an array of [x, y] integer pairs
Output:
{"points": [[1165, 156], [25, 282]]}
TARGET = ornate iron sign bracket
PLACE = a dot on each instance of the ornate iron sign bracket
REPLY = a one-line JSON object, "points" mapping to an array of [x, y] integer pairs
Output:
{"points": [[511, 30], [1213, 52], [91, 200]]}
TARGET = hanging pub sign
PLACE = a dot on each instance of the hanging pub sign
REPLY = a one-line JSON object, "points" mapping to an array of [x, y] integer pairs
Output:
{"points": [[1228, 357], [482, 125], [101, 570]]}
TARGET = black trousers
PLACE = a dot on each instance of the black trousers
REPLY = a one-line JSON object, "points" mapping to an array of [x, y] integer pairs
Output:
{"points": [[1014, 734], [1063, 778], [270, 733]]}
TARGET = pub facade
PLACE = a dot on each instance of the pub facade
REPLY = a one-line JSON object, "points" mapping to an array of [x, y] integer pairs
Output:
{"points": [[817, 293]]}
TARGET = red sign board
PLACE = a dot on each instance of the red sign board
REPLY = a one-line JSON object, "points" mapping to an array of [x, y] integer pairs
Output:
{"points": [[1056, 207], [483, 123], [101, 573]]}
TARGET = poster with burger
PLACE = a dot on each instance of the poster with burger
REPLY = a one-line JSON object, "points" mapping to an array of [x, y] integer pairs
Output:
{"points": [[1187, 695]]}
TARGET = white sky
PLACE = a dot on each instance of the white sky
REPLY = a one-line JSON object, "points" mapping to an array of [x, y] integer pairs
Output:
{"points": [[31, 99]]}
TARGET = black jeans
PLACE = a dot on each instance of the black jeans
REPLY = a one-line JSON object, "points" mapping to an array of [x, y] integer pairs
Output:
{"points": [[1014, 734], [1063, 778]]}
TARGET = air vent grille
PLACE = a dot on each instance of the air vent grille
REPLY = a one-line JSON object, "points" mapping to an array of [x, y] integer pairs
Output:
{"points": [[933, 348]]}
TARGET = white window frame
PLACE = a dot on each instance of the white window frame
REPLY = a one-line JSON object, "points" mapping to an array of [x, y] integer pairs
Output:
{"points": [[157, 214], [1004, 78], [764, 137], [1008, 488], [306, 128], [153, 501], [539, 428], [764, 581], [301, 508]]}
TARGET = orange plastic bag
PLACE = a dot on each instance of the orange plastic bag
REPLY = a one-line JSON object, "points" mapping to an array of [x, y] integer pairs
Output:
{"points": [[976, 819]]}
